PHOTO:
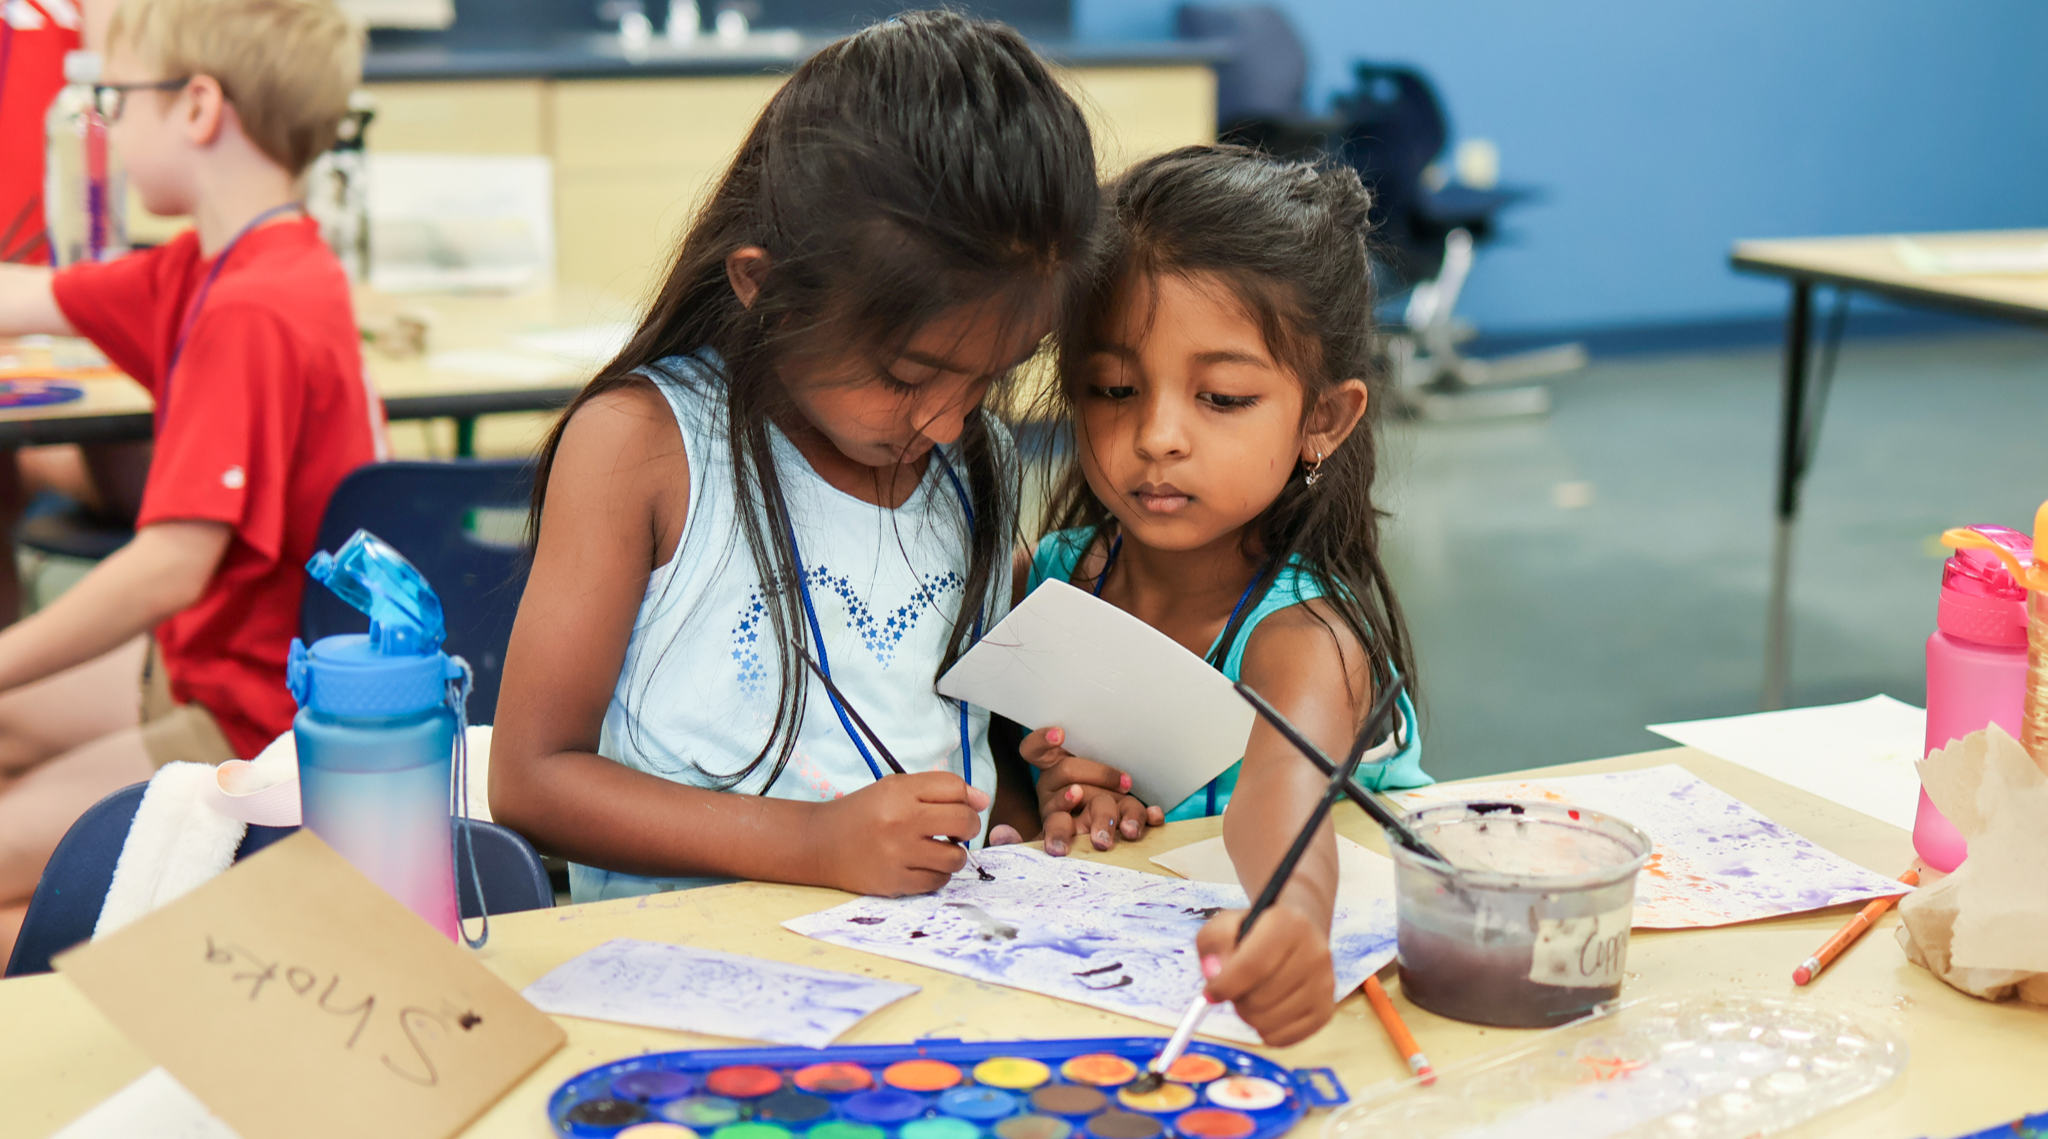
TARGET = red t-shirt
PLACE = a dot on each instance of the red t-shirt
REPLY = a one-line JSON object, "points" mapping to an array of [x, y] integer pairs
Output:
{"points": [[269, 407], [34, 35]]}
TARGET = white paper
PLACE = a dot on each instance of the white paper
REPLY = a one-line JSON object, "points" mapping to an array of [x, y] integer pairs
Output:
{"points": [[1123, 692], [1980, 261], [1362, 875], [1114, 939], [1715, 861], [450, 222], [1860, 755], [155, 1106], [718, 994]]}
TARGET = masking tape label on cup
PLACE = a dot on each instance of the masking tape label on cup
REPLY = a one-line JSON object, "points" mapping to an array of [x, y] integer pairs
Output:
{"points": [[1581, 953]]}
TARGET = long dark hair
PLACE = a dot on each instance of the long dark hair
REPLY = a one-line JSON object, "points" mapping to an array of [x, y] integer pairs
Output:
{"points": [[1290, 240], [924, 163]]}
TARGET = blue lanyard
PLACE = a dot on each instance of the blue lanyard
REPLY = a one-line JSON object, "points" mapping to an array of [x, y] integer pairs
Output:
{"points": [[825, 665], [1117, 547], [163, 398]]}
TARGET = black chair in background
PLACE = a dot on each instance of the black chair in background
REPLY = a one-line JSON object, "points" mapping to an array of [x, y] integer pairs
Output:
{"points": [[462, 524], [1391, 128]]}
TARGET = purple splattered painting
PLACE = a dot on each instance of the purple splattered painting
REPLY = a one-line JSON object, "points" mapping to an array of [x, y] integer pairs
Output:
{"points": [[1114, 939], [1717, 860]]}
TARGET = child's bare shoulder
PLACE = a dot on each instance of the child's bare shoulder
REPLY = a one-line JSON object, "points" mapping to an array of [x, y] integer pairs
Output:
{"points": [[631, 423], [621, 450], [1310, 638]]}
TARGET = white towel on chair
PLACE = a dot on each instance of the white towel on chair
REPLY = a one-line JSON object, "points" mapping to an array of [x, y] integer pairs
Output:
{"points": [[176, 842], [192, 819]]}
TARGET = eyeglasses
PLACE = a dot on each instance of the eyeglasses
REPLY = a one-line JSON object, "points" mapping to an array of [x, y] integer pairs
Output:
{"points": [[110, 99]]}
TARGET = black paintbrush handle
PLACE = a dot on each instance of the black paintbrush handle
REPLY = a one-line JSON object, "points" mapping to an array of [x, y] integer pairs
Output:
{"points": [[847, 707], [1376, 719], [1365, 799]]}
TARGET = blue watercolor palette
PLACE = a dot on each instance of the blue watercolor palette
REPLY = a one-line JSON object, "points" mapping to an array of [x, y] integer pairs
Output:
{"points": [[1019, 1089]]}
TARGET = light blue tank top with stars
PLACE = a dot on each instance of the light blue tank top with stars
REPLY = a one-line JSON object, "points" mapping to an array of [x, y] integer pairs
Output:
{"points": [[695, 698], [1060, 552]]}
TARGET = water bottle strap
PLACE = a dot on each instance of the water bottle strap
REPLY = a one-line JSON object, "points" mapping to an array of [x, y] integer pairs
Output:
{"points": [[465, 845]]}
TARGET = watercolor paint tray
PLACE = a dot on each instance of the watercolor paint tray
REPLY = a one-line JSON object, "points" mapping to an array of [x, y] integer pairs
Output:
{"points": [[37, 393], [1709, 1066], [941, 1089]]}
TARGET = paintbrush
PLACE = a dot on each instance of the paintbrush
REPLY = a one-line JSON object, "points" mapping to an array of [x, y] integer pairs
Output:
{"points": [[1375, 720], [840, 701], [1380, 812]]}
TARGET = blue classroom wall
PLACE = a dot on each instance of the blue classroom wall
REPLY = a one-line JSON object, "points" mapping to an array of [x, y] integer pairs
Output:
{"points": [[1661, 132]]}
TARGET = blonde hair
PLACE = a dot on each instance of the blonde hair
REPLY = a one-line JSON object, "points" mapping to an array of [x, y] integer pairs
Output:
{"points": [[288, 66]]}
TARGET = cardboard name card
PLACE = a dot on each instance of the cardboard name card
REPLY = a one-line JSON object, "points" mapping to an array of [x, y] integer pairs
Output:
{"points": [[297, 999]]}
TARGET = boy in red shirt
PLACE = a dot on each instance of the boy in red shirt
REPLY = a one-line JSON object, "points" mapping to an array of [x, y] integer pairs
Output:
{"points": [[243, 332]]}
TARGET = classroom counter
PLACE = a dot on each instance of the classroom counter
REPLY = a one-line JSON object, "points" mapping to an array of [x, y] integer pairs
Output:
{"points": [[600, 56], [1973, 1064]]}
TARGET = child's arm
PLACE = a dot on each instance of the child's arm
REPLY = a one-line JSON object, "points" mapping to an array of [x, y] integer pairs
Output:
{"points": [[27, 303], [1309, 666], [165, 569], [615, 509]]}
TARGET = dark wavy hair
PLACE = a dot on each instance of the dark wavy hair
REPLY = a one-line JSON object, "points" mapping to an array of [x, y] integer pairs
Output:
{"points": [[927, 162], [1290, 240]]}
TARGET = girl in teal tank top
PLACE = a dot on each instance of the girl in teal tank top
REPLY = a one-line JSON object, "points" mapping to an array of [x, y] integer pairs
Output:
{"points": [[1219, 486]]}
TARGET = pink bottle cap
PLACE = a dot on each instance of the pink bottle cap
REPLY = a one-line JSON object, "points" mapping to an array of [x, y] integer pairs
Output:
{"points": [[1980, 601]]}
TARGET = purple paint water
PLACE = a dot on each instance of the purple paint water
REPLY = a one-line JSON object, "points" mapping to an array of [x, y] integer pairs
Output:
{"points": [[1528, 927]]}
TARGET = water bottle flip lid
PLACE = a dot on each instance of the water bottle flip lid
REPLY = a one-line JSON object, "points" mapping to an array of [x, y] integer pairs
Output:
{"points": [[404, 612]]}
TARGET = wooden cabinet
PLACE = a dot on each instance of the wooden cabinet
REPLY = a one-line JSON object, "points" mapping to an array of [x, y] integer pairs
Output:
{"points": [[634, 157]]}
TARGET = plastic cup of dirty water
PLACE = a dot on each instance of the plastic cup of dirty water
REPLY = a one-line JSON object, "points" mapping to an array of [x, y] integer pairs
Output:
{"points": [[1528, 928]]}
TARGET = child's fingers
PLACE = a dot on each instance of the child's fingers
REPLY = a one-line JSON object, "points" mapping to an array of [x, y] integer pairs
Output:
{"points": [[1134, 816], [944, 787], [1003, 834], [1098, 819], [1041, 749], [1059, 833], [1072, 770], [949, 820]]}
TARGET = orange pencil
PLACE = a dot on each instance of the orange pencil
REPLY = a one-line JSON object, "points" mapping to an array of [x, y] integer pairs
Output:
{"points": [[1847, 935], [1397, 1030]]}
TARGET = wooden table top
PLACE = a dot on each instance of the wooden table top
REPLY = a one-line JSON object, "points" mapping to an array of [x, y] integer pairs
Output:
{"points": [[473, 365], [1874, 264], [1973, 1064]]}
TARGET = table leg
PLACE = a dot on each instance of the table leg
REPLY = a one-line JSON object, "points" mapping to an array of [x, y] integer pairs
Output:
{"points": [[1791, 432], [465, 436]]}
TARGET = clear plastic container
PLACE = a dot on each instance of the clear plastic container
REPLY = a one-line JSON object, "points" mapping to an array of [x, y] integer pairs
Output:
{"points": [[85, 190], [1707, 1066], [1531, 928]]}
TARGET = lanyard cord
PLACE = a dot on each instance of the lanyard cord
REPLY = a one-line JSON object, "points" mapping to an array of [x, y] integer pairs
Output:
{"points": [[825, 665], [220, 259]]}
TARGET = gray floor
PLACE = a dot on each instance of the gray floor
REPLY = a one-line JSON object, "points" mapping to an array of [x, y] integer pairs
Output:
{"points": [[1573, 578]]}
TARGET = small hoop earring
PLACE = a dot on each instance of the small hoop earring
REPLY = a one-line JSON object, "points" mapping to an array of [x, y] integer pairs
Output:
{"points": [[1315, 473]]}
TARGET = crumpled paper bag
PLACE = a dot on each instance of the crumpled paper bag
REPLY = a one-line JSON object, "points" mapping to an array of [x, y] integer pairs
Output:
{"points": [[1984, 928]]}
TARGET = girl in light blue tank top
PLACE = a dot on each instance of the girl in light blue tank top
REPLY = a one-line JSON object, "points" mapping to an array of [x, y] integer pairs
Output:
{"points": [[769, 524], [1220, 487]]}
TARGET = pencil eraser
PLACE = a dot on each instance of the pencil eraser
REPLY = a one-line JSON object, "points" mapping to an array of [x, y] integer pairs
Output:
{"points": [[1801, 975]]}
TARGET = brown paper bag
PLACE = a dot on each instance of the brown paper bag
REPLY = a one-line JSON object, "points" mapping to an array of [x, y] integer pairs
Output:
{"points": [[1984, 928]]}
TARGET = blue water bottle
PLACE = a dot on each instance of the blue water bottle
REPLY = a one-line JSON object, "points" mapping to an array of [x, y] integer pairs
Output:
{"points": [[378, 730]]}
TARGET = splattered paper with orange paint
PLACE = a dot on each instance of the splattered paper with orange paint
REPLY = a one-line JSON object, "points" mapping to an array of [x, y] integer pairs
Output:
{"points": [[1717, 860]]}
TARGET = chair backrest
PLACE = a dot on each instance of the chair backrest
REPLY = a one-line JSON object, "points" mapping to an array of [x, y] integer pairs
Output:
{"points": [[462, 524], [1266, 76], [1394, 127], [67, 901]]}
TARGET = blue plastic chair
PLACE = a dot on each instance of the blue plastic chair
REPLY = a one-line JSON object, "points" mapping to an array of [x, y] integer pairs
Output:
{"points": [[67, 900], [438, 515]]}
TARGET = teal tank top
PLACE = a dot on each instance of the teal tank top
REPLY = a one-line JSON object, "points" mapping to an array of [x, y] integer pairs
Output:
{"points": [[1060, 552]]}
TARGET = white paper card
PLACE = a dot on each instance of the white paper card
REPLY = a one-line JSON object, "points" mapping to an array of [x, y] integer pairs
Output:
{"points": [[1860, 755], [155, 1106], [1123, 692], [718, 994], [1362, 875]]}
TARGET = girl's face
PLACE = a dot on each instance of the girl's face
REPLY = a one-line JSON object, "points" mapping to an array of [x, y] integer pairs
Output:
{"points": [[1188, 427], [894, 413]]}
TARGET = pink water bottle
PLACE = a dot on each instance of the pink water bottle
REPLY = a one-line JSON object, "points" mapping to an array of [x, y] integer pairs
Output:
{"points": [[1976, 669]]}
